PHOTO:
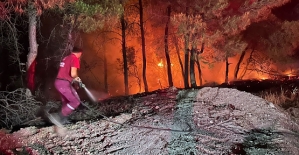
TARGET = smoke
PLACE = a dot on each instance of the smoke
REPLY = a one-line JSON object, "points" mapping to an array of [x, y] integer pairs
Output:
{"points": [[109, 76]]}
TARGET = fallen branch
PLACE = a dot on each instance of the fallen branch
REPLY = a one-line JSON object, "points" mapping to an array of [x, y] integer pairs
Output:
{"points": [[17, 108]]}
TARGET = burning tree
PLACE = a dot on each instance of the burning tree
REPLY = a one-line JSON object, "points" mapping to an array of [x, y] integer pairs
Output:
{"points": [[132, 68], [123, 28], [130, 19], [282, 44], [142, 33], [162, 18], [271, 44], [225, 26], [219, 25], [189, 26], [275, 47]]}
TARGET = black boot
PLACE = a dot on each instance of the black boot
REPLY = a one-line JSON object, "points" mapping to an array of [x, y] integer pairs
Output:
{"points": [[64, 119], [57, 118]]}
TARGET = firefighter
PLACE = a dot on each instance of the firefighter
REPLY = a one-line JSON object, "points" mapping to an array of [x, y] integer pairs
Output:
{"points": [[67, 75]]}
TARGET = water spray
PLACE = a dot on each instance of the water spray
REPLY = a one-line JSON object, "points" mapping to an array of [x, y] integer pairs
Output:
{"points": [[89, 94]]}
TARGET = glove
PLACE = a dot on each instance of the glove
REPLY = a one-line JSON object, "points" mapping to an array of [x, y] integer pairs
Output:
{"points": [[77, 79], [77, 83]]}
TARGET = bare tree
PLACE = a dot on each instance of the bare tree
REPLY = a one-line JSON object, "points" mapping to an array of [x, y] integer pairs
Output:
{"points": [[11, 56]]}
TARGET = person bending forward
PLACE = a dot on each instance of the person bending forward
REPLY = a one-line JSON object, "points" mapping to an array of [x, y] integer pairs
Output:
{"points": [[68, 72]]}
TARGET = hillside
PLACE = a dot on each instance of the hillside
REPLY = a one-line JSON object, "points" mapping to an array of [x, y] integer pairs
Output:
{"points": [[171, 121]]}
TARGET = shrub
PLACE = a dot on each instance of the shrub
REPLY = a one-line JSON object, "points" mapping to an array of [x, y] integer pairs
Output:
{"points": [[282, 98]]}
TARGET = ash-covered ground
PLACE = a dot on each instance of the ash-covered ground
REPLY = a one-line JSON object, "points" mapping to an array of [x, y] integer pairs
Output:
{"points": [[169, 122]]}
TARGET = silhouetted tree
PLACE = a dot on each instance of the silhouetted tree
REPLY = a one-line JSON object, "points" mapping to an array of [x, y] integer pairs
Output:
{"points": [[166, 38], [141, 24], [197, 61], [190, 27], [124, 52], [161, 17], [237, 68]]}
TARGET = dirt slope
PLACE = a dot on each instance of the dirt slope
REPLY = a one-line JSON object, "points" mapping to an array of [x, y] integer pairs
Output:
{"points": [[205, 121]]}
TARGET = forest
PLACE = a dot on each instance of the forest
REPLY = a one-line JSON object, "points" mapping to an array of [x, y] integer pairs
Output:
{"points": [[165, 77], [133, 46]]}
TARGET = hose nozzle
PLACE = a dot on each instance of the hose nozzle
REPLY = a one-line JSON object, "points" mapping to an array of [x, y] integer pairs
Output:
{"points": [[82, 85]]}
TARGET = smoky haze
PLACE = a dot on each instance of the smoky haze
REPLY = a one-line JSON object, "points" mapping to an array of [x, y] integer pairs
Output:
{"points": [[97, 44], [93, 75]]}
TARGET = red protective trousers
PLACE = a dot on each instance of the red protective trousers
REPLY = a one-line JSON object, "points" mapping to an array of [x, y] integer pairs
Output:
{"points": [[69, 96]]}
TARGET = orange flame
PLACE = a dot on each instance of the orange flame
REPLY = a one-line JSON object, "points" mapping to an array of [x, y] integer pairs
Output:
{"points": [[160, 64]]}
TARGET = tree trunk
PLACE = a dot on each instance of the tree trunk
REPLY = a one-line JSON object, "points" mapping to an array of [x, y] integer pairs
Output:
{"points": [[143, 47], [186, 76], [226, 68], [105, 72], [124, 53], [187, 50], [4, 72], [170, 82], [198, 63], [179, 57], [247, 64], [199, 72], [239, 64], [192, 73], [33, 47], [137, 77]]}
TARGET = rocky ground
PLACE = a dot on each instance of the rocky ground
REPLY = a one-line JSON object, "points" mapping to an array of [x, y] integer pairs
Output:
{"points": [[171, 121]]}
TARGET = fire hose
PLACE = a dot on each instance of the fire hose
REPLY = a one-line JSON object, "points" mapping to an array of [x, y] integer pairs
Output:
{"points": [[91, 97]]}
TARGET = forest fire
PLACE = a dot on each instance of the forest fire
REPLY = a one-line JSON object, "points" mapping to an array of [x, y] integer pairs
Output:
{"points": [[224, 48], [290, 74], [170, 72], [253, 64], [160, 64], [263, 78], [280, 77]]}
